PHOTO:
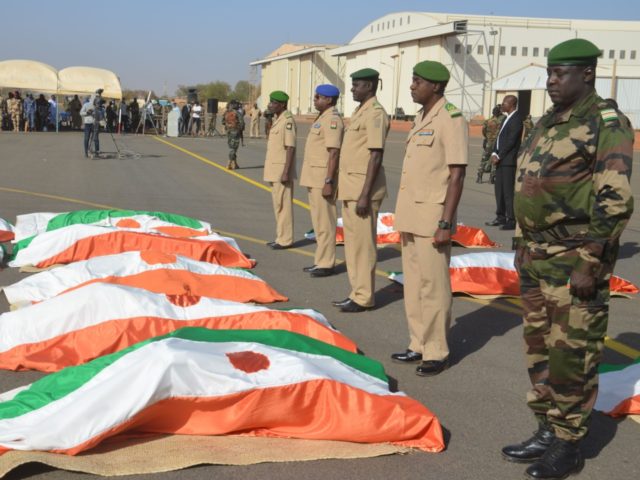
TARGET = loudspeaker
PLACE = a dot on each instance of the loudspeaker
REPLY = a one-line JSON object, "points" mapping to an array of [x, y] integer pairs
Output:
{"points": [[192, 95], [212, 105]]}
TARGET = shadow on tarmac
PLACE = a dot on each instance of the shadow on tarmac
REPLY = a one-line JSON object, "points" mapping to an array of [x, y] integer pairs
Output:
{"points": [[473, 331], [628, 250]]}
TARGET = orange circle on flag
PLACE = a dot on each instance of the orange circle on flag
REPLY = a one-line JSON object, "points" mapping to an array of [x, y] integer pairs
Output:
{"points": [[128, 223], [183, 300], [249, 362]]}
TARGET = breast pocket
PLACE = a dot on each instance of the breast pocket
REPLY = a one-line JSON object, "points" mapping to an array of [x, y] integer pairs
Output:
{"points": [[423, 141]]}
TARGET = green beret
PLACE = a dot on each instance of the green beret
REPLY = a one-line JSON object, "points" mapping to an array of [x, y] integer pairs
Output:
{"points": [[576, 51], [279, 96], [432, 71], [365, 73]]}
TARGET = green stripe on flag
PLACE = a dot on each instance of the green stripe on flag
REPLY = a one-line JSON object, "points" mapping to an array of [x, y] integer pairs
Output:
{"points": [[608, 367], [57, 385], [93, 216]]}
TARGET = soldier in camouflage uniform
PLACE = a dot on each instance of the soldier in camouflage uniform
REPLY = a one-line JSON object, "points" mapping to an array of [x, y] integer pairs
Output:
{"points": [[527, 126], [490, 130], [14, 107], [234, 124], [572, 201]]}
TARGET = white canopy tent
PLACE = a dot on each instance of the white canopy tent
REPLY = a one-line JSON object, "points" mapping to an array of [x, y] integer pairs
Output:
{"points": [[86, 80], [28, 75], [43, 78]]}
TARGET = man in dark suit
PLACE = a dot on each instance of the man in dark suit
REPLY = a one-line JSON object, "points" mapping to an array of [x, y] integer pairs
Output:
{"points": [[504, 157]]}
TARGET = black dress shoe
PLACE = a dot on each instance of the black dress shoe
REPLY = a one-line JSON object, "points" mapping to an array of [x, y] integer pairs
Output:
{"points": [[322, 272], [353, 307], [408, 356], [496, 221], [308, 269], [429, 368], [270, 244], [508, 225], [560, 460], [340, 303], [532, 449], [277, 246]]}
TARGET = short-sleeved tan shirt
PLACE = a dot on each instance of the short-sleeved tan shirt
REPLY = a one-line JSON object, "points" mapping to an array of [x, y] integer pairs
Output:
{"points": [[326, 132], [367, 130], [282, 135], [436, 141]]}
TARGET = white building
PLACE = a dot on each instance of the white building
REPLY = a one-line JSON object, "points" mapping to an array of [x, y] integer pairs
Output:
{"points": [[488, 57]]}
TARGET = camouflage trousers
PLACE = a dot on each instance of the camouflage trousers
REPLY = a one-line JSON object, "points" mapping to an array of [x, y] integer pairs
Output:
{"points": [[485, 164], [15, 120], [564, 337], [233, 140]]}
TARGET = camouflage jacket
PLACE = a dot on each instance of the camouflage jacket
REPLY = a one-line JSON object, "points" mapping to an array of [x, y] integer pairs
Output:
{"points": [[491, 128], [575, 169]]}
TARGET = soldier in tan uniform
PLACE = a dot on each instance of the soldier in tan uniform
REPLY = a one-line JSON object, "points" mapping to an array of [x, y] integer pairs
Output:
{"points": [[361, 187], [319, 174], [430, 189], [254, 128], [14, 107], [279, 168]]}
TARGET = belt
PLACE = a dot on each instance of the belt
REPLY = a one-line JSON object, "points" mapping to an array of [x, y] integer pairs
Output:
{"points": [[556, 233]]}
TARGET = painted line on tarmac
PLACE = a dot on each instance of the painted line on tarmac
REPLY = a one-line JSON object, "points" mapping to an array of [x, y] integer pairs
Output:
{"points": [[226, 170], [610, 343], [58, 197]]}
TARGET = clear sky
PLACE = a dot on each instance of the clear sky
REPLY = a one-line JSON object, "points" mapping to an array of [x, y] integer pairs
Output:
{"points": [[164, 43]]}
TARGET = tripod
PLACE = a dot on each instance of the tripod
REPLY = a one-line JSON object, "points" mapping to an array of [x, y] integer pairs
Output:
{"points": [[143, 120], [212, 131]]}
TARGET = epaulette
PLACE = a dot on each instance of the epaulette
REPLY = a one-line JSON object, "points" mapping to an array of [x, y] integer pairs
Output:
{"points": [[376, 104], [453, 110], [288, 114], [608, 114]]}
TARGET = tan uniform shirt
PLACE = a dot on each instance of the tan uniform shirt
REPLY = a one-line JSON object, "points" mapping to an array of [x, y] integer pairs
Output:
{"points": [[283, 134], [326, 132], [436, 141], [367, 130]]}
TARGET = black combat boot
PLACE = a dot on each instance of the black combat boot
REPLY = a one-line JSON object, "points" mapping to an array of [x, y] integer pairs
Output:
{"points": [[532, 449], [561, 459]]}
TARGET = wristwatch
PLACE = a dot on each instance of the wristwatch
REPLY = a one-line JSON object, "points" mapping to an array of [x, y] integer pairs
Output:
{"points": [[444, 225], [328, 181]]}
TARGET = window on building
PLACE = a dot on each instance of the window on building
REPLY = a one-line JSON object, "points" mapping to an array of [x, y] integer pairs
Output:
{"points": [[469, 49], [514, 51], [400, 21], [612, 54], [622, 54], [388, 24], [378, 28], [408, 19], [546, 52], [536, 51], [525, 51], [491, 50], [480, 49], [632, 54], [503, 50], [457, 48], [393, 23], [371, 28]]}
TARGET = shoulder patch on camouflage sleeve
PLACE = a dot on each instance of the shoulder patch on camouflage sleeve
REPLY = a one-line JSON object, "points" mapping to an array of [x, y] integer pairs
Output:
{"points": [[609, 115], [453, 110]]}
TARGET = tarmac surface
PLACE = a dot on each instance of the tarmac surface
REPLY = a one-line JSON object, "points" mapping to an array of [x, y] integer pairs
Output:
{"points": [[480, 400]]}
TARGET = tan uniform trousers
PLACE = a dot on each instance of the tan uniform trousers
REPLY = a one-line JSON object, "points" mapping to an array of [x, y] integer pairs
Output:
{"points": [[254, 129], [323, 219], [282, 196], [360, 251], [427, 295], [15, 119]]}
